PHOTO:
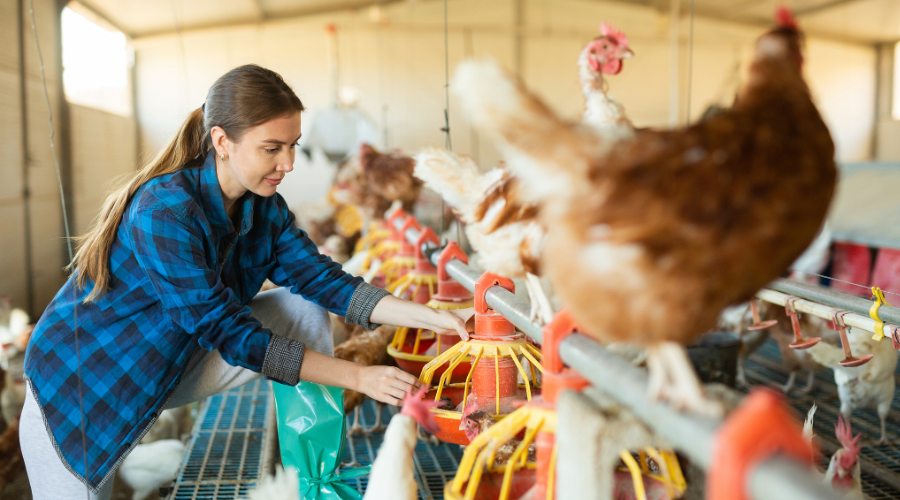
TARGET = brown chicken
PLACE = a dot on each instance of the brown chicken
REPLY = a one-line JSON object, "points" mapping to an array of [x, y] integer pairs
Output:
{"points": [[12, 465], [374, 181], [479, 421], [366, 348], [650, 238]]}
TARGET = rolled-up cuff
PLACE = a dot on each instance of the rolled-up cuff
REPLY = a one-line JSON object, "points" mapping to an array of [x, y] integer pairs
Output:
{"points": [[283, 359], [362, 303]]}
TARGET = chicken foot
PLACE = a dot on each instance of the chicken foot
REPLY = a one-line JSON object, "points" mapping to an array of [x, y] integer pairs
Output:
{"points": [[672, 379], [356, 428], [541, 311], [810, 382], [379, 425]]}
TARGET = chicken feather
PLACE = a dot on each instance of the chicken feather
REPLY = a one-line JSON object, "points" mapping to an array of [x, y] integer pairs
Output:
{"points": [[650, 238]]}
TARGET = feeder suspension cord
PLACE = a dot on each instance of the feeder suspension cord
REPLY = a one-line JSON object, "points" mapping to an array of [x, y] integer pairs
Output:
{"points": [[65, 214]]}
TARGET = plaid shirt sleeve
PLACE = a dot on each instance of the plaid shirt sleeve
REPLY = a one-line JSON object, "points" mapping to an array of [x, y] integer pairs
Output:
{"points": [[318, 278], [172, 254]]}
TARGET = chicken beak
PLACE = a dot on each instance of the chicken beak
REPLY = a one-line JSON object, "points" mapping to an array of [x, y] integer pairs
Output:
{"points": [[626, 53]]}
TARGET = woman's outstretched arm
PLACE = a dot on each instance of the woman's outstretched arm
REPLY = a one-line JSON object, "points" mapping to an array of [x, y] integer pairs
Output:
{"points": [[393, 311]]}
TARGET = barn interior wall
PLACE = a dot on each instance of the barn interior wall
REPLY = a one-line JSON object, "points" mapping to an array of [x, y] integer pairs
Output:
{"points": [[407, 75], [32, 246]]}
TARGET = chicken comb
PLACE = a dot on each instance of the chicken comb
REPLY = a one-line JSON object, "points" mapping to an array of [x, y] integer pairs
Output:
{"points": [[784, 18], [610, 31], [844, 435], [414, 407]]}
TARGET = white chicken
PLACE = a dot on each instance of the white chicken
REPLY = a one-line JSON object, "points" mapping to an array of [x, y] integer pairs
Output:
{"points": [[152, 465], [393, 471], [284, 485], [603, 56], [505, 233], [843, 472], [868, 386]]}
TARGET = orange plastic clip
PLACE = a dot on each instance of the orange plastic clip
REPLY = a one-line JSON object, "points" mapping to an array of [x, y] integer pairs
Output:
{"points": [[448, 288], [557, 377], [760, 428], [487, 322], [396, 235], [423, 265]]}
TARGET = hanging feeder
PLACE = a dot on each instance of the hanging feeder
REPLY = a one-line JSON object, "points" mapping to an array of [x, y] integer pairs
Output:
{"points": [[535, 422], [403, 261], [757, 323], [377, 231], [418, 285], [348, 220], [411, 346], [799, 341], [849, 360], [490, 386], [386, 248]]}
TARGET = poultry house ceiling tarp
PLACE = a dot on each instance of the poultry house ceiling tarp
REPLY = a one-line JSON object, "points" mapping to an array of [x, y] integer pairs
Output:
{"points": [[866, 206]]}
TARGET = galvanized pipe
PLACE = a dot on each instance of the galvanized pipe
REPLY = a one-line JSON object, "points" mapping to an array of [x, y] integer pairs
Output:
{"points": [[822, 311], [775, 478], [822, 295]]}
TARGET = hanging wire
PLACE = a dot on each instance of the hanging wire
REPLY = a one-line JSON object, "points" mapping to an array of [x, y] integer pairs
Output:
{"points": [[62, 198], [447, 143], [382, 88], [690, 62], [446, 129], [847, 282]]}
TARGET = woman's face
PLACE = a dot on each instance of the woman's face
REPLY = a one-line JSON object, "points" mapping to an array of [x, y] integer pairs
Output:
{"points": [[260, 160]]}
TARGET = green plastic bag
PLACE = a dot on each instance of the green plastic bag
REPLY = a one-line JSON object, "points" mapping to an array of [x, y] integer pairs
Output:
{"points": [[312, 439]]}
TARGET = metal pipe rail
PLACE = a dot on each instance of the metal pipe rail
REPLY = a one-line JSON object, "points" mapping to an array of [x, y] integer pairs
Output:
{"points": [[776, 478], [843, 301], [825, 312]]}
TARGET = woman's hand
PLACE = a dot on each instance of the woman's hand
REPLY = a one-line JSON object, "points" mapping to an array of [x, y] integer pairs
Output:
{"points": [[393, 311], [387, 384], [452, 322]]}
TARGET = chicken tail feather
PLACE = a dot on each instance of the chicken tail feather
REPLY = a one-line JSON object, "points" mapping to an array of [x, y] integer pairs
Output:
{"points": [[538, 144], [455, 178]]}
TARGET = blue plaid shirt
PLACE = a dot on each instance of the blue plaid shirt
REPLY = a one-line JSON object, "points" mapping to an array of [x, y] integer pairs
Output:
{"points": [[181, 275]]}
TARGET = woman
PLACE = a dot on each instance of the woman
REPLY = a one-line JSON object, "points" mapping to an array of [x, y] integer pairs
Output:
{"points": [[173, 263]]}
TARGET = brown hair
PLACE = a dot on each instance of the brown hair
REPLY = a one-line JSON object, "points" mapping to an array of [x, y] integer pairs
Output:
{"points": [[243, 98]]}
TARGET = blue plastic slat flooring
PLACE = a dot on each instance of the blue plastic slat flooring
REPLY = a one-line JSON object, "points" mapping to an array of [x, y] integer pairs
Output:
{"points": [[224, 457], [435, 464], [764, 368]]}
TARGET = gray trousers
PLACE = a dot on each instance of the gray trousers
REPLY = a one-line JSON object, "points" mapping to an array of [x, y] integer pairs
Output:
{"points": [[205, 375]]}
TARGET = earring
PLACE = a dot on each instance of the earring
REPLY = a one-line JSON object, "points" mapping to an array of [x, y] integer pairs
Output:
{"points": [[224, 156]]}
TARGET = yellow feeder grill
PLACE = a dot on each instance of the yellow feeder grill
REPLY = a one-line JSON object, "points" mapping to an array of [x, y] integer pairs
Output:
{"points": [[375, 235], [517, 476], [537, 422], [668, 475], [410, 352], [348, 220]]}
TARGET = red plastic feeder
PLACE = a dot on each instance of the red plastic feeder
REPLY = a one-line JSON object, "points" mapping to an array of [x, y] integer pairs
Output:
{"points": [[411, 346], [849, 359], [493, 350]]}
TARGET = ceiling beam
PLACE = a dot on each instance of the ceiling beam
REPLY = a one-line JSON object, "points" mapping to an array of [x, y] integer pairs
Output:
{"points": [[85, 7], [270, 16]]}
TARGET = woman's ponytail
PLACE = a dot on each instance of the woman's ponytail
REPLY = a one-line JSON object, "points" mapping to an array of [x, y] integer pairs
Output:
{"points": [[92, 258]]}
